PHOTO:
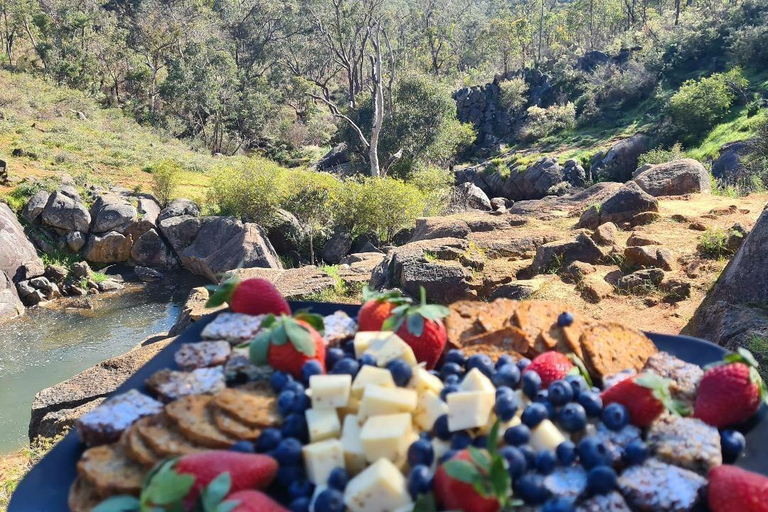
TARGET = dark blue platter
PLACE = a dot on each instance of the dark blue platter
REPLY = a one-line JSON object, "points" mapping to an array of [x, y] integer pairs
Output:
{"points": [[46, 487]]}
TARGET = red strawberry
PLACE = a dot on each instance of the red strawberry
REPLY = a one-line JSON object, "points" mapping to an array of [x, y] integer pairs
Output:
{"points": [[453, 494], [286, 343], [251, 297], [246, 470], [377, 307], [732, 489], [254, 501], [550, 366], [421, 327], [730, 392], [645, 396]]}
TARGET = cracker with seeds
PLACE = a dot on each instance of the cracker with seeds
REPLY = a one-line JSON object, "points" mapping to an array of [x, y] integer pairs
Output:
{"points": [[253, 404], [136, 448], [195, 422], [231, 427], [110, 470], [83, 496], [161, 436]]}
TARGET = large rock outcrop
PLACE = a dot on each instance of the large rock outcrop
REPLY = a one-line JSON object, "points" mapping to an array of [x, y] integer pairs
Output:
{"points": [[18, 258], [729, 165], [111, 247], [112, 213], [518, 183], [180, 231], [627, 202], [66, 211], [676, 178], [557, 255], [10, 304], [150, 251], [225, 243], [620, 161]]}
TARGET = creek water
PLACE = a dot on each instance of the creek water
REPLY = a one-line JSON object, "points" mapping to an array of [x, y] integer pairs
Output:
{"points": [[48, 345]]}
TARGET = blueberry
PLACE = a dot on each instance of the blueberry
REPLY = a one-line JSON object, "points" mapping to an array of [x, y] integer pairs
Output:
{"points": [[279, 380], [332, 356], [517, 435], [310, 368], [448, 455], [573, 418], [592, 403], [565, 319], [507, 375], [440, 428], [301, 403], [455, 356], [419, 480], [367, 360], [243, 447], [503, 360], [330, 500], [531, 383], [523, 363], [504, 390], [592, 452], [566, 453], [426, 435], [301, 489], [346, 366], [294, 425], [545, 461], [289, 474], [558, 505], [531, 489], [516, 464], [451, 369], [349, 348], [288, 452], [299, 505], [636, 452], [542, 396], [534, 414], [401, 372], [578, 384], [560, 392], [529, 453], [451, 379], [601, 480], [338, 479], [294, 386], [460, 440], [447, 390], [285, 402], [268, 440], [733, 444], [482, 362], [480, 442], [615, 416], [421, 452], [506, 407]]}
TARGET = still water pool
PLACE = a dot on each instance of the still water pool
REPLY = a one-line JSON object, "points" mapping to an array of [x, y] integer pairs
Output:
{"points": [[47, 346]]}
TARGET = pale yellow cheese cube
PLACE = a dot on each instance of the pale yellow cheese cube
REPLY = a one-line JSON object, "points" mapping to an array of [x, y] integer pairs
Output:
{"points": [[391, 348], [329, 391], [352, 408], [371, 375], [423, 381], [322, 424], [364, 339], [354, 455], [546, 436], [476, 380], [469, 409], [380, 488], [321, 458], [379, 400], [387, 436], [429, 407]]}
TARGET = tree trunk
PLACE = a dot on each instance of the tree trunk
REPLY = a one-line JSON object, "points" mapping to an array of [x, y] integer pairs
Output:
{"points": [[378, 104], [677, 12], [541, 34]]}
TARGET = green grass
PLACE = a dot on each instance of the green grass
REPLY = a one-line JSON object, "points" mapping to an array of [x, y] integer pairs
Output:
{"points": [[99, 277], [14, 467], [737, 127], [758, 345], [714, 244]]}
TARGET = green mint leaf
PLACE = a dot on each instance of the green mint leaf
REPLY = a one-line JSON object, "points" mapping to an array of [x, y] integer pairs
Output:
{"points": [[118, 504], [258, 352], [500, 479], [416, 324], [300, 337], [480, 458], [462, 471], [425, 503], [215, 492], [221, 294], [168, 487], [493, 439]]}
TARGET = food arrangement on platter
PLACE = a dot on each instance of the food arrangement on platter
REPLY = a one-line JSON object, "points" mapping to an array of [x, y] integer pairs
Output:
{"points": [[479, 407]]}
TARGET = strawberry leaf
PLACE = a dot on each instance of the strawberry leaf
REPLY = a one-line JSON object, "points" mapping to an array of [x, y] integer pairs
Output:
{"points": [[462, 471], [493, 438], [480, 458], [580, 368], [416, 325], [118, 504], [300, 337], [222, 293], [425, 503], [393, 323], [258, 352], [168, 487], [278, 336], [268, 322], [500, 479], [316, 321], [215, 492]]}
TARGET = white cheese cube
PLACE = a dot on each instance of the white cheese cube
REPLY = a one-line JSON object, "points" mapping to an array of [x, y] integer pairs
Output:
{"points": [[323, 424], [354, 455], [546, 436], [386, 437], [391, 348], [476, 380], [379, 400], [371, 375], [423, 381], [322, 458], [364, 339], [329, 391], [429, 407], [380, 488], [469, 409], [352, 408]]}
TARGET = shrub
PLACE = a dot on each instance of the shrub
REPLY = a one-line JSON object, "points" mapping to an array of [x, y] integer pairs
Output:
{"points": [[661, 155], [622, 87], [165, 179], [437, 186], [698, 105], [514, 95], [749, 44], [545, 121]]}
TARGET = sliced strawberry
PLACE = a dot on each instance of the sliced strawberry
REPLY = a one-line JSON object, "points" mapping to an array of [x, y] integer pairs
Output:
{"points": [[286, 343], [734, 489], [422, 328], [251, 297]]}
